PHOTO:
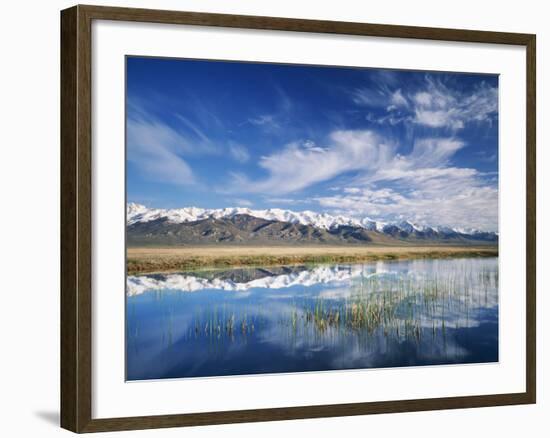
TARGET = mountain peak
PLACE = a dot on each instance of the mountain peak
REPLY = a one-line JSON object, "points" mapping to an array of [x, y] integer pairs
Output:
{"points": [[138, 213]]}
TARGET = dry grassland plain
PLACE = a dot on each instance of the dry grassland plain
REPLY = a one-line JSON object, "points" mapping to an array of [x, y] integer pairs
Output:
{"points": [[150, 260]]}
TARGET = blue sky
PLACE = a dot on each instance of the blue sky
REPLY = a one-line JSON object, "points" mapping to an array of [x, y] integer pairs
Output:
{"points": [[386, 144]]}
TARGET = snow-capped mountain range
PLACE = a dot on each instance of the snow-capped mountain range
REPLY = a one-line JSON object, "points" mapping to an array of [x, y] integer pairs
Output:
{"points": [[136, 285], [137, 213]]}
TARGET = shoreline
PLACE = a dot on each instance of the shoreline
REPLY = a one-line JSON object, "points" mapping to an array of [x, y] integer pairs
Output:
{"points": [[144, 260]]}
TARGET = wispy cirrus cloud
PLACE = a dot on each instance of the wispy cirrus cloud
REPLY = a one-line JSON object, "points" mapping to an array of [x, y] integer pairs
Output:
{"points": [[422, 186], [160, 151], [157, 151], [432, 104], [398, 100], [453, 200], [193, 127], [301, 164], [365, 142], [441, 107], [372, 97], [286, 201], [239, 153], [265, 120], [426, 153], [276, 119], [243, 202]]}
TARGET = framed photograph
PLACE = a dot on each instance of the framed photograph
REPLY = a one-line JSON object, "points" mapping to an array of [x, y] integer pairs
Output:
{"points": [[269, 218]]}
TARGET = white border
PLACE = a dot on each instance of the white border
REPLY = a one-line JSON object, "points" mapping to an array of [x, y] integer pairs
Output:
{"points": [[112, 397]]}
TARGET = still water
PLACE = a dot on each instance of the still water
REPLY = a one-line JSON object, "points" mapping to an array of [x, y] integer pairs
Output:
{"points": [[312, 318]]}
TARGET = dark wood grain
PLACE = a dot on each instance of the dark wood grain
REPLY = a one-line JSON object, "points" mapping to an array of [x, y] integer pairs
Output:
{"points": [[299, 25], [76, 249], [304, 412], [84, 218], [531, 213], [69, 321], [76, 219]]}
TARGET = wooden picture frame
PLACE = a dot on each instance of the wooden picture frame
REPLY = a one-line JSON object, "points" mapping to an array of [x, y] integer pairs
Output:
{"points": [[76, 217]]}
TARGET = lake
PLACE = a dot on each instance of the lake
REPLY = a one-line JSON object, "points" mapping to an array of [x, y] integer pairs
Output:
{"points": [[312, 318]]}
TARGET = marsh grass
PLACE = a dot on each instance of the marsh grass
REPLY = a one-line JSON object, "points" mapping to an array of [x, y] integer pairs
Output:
{"points": [[400, 307]]}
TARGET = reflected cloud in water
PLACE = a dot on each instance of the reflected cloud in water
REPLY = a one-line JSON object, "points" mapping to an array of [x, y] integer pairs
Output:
{"points": [[291, 319]]}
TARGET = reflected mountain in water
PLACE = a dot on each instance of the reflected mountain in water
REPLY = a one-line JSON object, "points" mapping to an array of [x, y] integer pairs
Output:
{"points": [[306, 318], [242, 279]]}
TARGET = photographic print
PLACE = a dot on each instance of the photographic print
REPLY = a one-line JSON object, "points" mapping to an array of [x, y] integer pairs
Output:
{"points": [[298, 218]]}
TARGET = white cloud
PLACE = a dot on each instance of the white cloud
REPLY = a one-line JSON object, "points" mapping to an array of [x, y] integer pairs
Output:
{"points": [[275, 121], [429, 157], [435, 104], [160, 150], [277, 200], [422, 187], [450, 201], [243, 203], [390, 117], [239, 152], [156, 150], [265, 120], [441, 107], [300, 165], [193, 128], [438, 119], [373, 97], [423, 98], [435, 151], [398, 99]]}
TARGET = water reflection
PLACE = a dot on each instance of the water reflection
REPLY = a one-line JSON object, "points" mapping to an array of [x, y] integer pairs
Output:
{"points": [[288, 319]]}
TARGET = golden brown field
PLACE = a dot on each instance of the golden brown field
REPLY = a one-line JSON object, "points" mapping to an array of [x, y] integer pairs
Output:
{"points": [[148, 260]]}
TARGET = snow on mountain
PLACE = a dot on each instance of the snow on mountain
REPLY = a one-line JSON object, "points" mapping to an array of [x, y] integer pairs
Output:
{"points": [[140, 213], [136, 213], [136, 285]]}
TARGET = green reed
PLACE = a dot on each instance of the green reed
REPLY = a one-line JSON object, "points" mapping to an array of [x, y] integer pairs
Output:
{"points": [[398, 306]]}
